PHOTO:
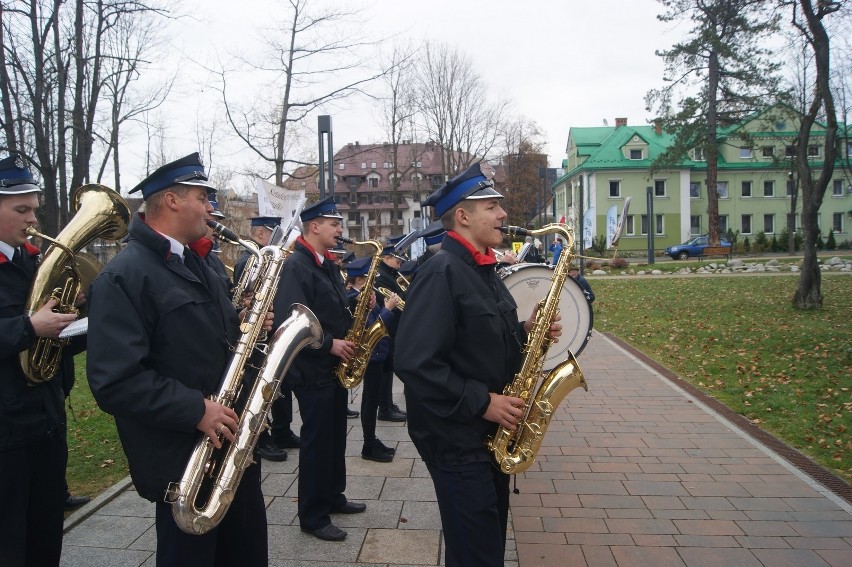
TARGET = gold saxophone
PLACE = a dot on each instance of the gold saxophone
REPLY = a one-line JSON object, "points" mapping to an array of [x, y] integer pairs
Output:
{"points": [[204, 493], [350, 373], [515, 451], [250, 270], [100, 213]]}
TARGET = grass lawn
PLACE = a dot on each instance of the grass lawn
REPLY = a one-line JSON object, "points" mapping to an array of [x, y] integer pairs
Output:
{"points": [[735, 337], [739, 340]]}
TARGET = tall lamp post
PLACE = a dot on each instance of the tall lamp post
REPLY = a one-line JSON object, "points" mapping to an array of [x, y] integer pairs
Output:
{"points": [[582, 229], [324, 127], [649, 193]]}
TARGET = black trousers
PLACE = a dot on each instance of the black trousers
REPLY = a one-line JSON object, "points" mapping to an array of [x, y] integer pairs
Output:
{"points": [[282, 412], [322, 464], [474, 504], [241, 539], [386, 388], [370, 400], [32, 485]]}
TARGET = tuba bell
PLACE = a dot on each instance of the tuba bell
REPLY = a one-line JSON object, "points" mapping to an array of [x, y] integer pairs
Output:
{"points": [[100, 213]]}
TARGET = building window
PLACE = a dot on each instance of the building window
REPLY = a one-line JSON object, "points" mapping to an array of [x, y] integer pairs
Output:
{"points": [[399, 215], [694, 190], [768, 188], [813, 151], [837, 222], [614, 188], [373, 215], [695, 224], [698, 154], [353, 218], [745, 224], [722, 189], [659, 188], [373, 182], [767, 151], [789, 151], [745, 153], [746, 189], [723, 224], [848, 149], [628, 229], [644, 224], [363, 165], [372, 165], [660, 226], [791, 187], [769, 224], [635, 154], [341, 166], [837, 188]]}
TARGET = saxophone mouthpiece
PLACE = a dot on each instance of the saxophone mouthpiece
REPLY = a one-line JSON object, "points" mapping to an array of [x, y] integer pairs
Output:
{"points": [[514, 230], [345, 240], [223, 231]]}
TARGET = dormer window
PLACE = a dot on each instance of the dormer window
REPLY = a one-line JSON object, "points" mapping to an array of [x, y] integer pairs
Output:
{"points": [[635, 154], [698, 154]]}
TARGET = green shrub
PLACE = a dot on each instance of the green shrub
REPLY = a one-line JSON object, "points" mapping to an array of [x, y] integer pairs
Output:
{"points": [[761, 244], [830, 244], [746, 245], [618, 263], [773, 244]]}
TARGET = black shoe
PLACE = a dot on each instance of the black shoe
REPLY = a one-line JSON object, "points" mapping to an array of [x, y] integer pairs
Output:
{"points": [[383, 448], [391, 415], [351, 413], [328, 532], [266, 449], [350, 508], [395, 408], [374, 453], [288, 441], [76, 501]]}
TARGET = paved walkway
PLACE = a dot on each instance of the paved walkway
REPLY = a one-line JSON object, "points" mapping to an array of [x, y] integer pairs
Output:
{"points": [[634, 472]]}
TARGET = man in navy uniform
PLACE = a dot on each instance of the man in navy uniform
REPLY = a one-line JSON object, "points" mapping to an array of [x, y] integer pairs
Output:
{"points": [[162, 328], [311, 277], [33, 449], [459, 343], [387, 278]]}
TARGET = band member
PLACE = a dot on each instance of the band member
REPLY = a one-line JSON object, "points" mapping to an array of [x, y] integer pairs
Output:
{"points": [[33, 450], [373, 449], [162, 327], [310, 277], [273, 444], [574, 272], [207, 247], [387, 278], [459, 344]]}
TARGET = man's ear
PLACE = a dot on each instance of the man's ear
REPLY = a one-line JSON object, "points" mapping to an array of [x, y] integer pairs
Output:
{"points": [[170, 199], [462, 217]]}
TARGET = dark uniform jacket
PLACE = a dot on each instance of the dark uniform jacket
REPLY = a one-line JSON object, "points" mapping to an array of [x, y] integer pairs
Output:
{"points": [[27, 413], [459, 339], [160, 342], [320, 288]]}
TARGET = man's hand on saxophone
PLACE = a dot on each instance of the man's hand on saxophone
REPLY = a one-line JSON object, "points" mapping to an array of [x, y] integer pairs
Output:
{"points": [[218, 420], [267, 322], [555, 327], [505, 411], [342, 349]]}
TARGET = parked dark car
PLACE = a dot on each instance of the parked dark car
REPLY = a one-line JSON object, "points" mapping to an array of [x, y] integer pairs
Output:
{"points": [[692, 247]]}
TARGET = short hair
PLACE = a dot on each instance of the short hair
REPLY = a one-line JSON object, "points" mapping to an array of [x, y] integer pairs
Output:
{"points": [[154, 203], [448, 219]]}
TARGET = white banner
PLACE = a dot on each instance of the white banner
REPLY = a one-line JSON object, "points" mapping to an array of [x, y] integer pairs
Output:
{"points": [[274, 201], [588, 227], [611, 222]]}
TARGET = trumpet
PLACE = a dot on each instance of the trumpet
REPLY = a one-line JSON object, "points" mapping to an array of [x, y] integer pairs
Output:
{"points": [[387, 293]]}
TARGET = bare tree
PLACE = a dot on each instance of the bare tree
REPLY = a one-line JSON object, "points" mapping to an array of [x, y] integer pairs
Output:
{"points": [[809, 20], [313, 63], [456, 109], [522, 155]]}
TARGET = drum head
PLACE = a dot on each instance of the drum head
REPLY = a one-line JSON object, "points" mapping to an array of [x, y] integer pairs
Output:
{"points": [[528, 284]]}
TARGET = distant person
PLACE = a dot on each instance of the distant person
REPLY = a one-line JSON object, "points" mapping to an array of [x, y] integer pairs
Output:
{"points": [[533, 255], [556, 248], [574, 272]]}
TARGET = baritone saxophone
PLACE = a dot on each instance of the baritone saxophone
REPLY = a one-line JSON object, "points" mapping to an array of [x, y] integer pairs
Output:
{"points": [[515, 451]]}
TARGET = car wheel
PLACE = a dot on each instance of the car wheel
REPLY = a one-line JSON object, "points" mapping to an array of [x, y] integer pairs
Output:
{"points": [[683, 255]]}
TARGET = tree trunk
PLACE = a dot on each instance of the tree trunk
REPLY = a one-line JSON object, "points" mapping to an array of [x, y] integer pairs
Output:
{"points": [[712, 151], [808, 293]]}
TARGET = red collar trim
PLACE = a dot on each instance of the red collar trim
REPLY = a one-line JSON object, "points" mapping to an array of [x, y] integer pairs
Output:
{"points": [[202, 246], [487, 259], [327, 255], [30, 249]]}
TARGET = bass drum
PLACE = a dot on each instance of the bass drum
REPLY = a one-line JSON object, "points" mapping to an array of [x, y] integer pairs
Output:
{"points": [[529, 283]]}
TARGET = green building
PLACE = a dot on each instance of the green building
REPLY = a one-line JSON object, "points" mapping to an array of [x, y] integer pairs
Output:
{"points": [[756, 177]]}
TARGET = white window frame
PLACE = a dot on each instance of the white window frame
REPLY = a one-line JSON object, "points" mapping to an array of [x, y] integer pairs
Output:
{"points": [[719, 189], [837, 227], [768, 152], [750, 189], [694, 230], [618, 187], [771, 218], [746, 152], [695, 185], [629, 225], [742, 226], [838, 183], [664, 184], [768, 183], [641, 154], [660, 224]]}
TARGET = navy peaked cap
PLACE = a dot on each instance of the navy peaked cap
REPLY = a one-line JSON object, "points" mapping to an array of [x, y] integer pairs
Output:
{"points": [[358, 267], [325, 208], [470, 184], [408, 267], [15, 177], [215, 204], [268, 222], [185, 171]]}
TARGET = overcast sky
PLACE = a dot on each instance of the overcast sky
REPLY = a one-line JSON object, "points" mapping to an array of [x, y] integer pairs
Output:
{"points": [[563, 63]]}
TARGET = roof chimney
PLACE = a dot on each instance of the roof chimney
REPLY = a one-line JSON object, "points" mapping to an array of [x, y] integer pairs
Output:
{"points": [[620, 122], [658, 127]]}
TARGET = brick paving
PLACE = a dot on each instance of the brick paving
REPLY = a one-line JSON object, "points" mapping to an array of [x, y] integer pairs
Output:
{"points": [[634, 472]]}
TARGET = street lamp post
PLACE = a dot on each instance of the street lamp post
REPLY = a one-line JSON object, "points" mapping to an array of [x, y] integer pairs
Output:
{"points": [[324, 127], [649, 193]]}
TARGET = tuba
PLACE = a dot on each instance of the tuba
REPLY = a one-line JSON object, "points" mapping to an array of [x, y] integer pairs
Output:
{"points": [[514, 451], [209, 483], [100, 213], [350, 374]]}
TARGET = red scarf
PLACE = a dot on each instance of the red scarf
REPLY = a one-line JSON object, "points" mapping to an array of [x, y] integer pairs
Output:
{"points": [[487, 259], [202, 246], [327, 255], [28, 248]]}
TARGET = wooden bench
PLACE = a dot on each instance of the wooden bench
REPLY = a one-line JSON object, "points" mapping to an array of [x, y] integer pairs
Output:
{"points": [[716, 251]]}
